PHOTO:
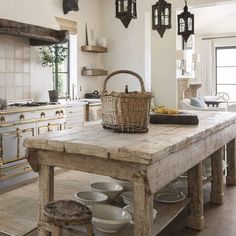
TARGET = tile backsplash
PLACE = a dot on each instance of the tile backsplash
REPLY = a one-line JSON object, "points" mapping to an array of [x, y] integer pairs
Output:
{"points": [[15, 68]]}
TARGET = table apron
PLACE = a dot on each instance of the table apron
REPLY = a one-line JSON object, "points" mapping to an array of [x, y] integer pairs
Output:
{"points": [[170, 167], [156, 175], [95, 165]]}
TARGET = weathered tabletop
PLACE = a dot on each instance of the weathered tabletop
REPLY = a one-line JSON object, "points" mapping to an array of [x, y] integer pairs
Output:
{"points": [[150, 160]]}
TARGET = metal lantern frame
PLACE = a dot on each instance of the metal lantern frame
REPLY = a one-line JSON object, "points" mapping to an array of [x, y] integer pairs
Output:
{"points": [[185, 23], [126, 10], [161, 17]]}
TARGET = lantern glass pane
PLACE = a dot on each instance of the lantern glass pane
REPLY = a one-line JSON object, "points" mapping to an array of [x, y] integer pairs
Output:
{"points": [[156, 17], [132, 8], [167, 15], [125, 6], [119, 6], [162, 17], [190, 24], [182, 25]]}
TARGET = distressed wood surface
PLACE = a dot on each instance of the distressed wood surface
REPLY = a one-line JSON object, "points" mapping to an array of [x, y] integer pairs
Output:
{"points": [[231, 159], [217, 189], [46, 193], [143, 211], [38, 35], [160, 141], [150, 160], [195, 183]]}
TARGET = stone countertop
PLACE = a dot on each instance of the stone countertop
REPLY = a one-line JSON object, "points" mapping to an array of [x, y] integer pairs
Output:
{"points": [[145, 148]]}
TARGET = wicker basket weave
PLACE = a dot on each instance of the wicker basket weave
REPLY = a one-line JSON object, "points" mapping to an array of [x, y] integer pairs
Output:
{"points": [[126, 112]]}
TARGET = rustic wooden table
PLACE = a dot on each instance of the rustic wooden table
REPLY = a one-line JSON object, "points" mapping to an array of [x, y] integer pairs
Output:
{"points": [[150, 160]]}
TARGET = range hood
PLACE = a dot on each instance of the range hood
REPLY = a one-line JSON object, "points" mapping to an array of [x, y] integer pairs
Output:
{"points": [[38, 35]]}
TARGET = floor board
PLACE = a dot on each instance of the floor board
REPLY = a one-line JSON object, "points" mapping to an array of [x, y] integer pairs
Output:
{"points": [[220, 220]]}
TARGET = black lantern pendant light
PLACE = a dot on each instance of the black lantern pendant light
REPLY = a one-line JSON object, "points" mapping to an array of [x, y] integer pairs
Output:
{"points": [[161, 17], [126, 10], [185, 23]]}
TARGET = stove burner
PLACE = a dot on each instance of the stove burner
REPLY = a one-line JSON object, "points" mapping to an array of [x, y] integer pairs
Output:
{"points": [[34, 104]]}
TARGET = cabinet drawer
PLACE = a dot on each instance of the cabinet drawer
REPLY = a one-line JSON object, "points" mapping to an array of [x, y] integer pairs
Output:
{"points": [[72, 125], [15, 169]]}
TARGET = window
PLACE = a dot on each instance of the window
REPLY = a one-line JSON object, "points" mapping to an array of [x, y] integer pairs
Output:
{"points": [[226, 71], [61, 75]]}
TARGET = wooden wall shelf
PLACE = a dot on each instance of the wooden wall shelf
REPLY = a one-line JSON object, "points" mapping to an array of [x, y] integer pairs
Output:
{"points": [[94, 49], [94, 72]]}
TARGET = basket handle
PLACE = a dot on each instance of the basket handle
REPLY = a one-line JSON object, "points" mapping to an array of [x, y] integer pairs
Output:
{"points": [[123, 72]]}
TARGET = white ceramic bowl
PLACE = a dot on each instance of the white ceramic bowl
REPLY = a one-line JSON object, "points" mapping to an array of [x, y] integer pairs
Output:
{"points": [[130, 209], [128, 197], [127, 185], [111, 189], [90, 197], [109, 219]]}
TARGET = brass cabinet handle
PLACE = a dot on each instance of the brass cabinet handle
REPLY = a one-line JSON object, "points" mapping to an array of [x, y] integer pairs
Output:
{"points": [[3, 175], [22, 117], [18, 133], [3, 119], [42, 115], [49, 127], [27, 168], [61, 112], [57, 113], [1, 162]]}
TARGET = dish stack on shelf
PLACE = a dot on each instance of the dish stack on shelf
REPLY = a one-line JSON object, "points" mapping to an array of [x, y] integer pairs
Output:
{"points": [[112, 203], [106, 218]]}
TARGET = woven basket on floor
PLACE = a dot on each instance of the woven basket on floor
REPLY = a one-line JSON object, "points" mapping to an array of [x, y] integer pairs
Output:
{"points": [[126, 112]]}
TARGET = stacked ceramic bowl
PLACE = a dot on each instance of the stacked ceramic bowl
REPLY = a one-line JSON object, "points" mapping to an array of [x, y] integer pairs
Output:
{"points": [[128, 199], [111, 189], [106, 218]]}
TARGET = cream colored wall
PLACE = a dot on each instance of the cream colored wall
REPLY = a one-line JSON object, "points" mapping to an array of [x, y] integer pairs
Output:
{"points": [[43, 13], [164, 57], [126, 46]]}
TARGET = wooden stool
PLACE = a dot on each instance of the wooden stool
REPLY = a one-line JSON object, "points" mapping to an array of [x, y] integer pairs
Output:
{"points": [[66, 213]]}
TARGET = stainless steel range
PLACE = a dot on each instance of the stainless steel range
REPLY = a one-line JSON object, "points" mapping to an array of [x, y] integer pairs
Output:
{"points": [[17, 122]]}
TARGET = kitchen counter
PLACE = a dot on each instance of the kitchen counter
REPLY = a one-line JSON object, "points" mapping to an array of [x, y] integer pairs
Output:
{"points": [[150, 160], [16, 109]]}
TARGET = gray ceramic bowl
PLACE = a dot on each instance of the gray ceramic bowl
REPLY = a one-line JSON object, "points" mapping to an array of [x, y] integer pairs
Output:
{"points": [[109, 219], [111, 189], [91, 197]]}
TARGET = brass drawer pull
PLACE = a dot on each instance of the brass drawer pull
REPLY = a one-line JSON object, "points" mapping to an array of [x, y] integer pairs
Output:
{"points": [[27, 168], [3, 119], [22, 117], [42, 115], [1, 162], [57, 113], [61, 112], [2, 175], [49, 127]]}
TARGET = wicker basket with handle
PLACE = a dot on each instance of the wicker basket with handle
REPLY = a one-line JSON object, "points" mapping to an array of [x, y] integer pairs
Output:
{"points": [[126, 112]]}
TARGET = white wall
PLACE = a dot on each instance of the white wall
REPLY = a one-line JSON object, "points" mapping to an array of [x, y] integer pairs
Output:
{"points": [[126, 46], [43, 13], [164, 56]]}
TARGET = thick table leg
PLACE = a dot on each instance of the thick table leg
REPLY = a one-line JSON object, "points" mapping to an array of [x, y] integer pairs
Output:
{"points": [[143, 210], [217, 187], [231, 160], [46, 193], [196, 217]]}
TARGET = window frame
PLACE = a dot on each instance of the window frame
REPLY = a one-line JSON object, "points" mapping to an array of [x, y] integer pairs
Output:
{"points": [[216, 67], [56, 72]]}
